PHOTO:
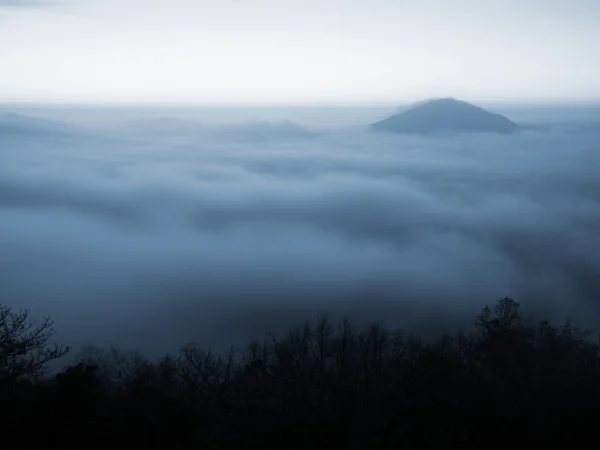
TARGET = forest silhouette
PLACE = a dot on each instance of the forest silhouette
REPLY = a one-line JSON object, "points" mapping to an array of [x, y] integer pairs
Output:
{"points": [[508, 380]]}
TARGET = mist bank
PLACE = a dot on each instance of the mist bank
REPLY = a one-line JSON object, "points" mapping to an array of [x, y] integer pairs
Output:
{"points": [[144, 241]]}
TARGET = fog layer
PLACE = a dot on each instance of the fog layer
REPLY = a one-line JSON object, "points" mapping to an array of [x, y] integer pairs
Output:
{"points": [[151, 236]]}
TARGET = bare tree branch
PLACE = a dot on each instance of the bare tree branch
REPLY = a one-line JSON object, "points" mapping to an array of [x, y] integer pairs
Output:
{"points": [[24, 345]]}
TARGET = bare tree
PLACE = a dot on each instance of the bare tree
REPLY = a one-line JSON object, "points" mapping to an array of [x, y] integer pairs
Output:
{"points": [[24, 345]]}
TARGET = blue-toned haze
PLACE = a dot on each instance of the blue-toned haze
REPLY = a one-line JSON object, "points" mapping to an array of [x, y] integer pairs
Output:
{"points": [[203, 169], [147, 228]]}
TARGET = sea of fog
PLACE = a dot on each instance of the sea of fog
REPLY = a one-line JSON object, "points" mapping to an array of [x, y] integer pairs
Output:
{"points": [[148, 228]]}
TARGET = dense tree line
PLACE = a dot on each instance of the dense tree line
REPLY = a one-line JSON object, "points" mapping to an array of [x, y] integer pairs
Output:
{"points": [[506, 381]]}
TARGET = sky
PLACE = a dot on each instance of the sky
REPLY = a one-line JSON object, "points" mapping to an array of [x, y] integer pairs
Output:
{"points": [[297, 51]]}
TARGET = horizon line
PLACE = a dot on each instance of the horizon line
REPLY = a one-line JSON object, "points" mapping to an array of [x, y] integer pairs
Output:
{"points": [[260, 105]]}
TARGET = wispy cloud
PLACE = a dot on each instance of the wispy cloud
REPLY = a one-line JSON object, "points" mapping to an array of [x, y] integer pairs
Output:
{"points": [[27, 3]]}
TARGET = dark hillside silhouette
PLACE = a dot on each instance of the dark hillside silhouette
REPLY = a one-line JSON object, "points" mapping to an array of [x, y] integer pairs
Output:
{"points": [[505, 382]]}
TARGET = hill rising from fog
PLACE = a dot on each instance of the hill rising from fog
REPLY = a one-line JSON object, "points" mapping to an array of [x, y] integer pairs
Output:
{"points": [[445, 115]]}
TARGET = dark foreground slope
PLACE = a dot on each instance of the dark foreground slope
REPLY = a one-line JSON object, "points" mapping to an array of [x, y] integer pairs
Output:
{"points": [[505, 383], [445, 115]]}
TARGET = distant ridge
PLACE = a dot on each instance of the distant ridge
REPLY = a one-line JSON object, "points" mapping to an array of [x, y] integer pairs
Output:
{"points": [[12, 124], [256, 130], [445, 115]]}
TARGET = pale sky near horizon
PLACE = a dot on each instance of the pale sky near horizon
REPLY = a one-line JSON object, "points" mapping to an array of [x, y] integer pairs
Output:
{"points": [[298, 51]]}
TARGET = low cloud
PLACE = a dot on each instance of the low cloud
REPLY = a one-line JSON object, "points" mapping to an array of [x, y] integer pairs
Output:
{"points": [[150, 242]]}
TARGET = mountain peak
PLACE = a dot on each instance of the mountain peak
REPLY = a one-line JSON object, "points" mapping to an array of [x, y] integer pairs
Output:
{"points": [[444, 115]]}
